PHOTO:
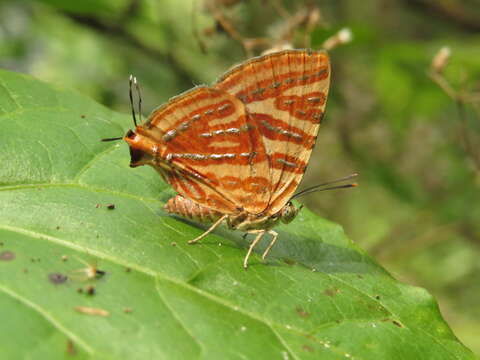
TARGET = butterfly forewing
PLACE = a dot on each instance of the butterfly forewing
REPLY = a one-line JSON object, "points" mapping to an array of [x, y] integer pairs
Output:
{"points": [[285, 94], [210, 151]]}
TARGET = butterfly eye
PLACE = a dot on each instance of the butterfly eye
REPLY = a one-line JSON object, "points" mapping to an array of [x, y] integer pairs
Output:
{"points": [[130, 134]]}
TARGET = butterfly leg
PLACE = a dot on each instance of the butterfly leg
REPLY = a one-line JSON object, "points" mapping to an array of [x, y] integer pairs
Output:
{"points": [[213, 227], [274, 238], [253, 244]]}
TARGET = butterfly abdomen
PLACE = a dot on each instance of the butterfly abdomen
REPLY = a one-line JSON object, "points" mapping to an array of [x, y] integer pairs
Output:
{"points": [[186, 208]]}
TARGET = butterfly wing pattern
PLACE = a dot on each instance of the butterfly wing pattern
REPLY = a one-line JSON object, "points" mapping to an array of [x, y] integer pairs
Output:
{"points": [[237, 151], [202, 138], [285, 94]]}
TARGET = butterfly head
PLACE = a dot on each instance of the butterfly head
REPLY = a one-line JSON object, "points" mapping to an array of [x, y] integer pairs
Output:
{"points": [[136, 154], [289, 212], [140, 147]]}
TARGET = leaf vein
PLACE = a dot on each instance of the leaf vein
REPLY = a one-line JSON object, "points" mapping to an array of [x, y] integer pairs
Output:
{"points": [[74, 337]]}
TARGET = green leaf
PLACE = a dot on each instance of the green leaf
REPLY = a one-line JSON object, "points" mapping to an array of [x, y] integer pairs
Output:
{"points": [[317, 296]]}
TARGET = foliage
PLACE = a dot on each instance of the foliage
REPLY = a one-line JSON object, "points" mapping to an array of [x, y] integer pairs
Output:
{"points": [[415, 211], [163, 297]]}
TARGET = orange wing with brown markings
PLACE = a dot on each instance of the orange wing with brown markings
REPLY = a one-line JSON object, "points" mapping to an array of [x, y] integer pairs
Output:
{"points": [[285, 94], [205, 145]]}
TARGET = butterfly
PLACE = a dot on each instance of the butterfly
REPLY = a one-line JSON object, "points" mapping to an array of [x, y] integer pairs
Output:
{"points": [[236, 151]]}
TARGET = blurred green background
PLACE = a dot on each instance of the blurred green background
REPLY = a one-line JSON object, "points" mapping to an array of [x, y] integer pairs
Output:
{"points": [[416, 148]]}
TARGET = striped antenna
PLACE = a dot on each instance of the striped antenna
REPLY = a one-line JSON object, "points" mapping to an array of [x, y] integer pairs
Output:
{"points": [[131, 80], [139, 109], [320, 187]]}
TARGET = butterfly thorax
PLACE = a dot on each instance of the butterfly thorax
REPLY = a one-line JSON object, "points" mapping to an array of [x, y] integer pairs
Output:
{"points": [[242, 220], [247, 222]]}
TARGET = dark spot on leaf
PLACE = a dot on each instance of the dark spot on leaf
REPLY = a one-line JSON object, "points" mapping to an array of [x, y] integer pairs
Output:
{"points": [[173, 243], [331, 292], [359, 276], [111, 206], [82, 116], [58, 228], [57, 278], [70, 347], [64, 257], [100, 273], [90, 290], [377, 297], [394, 322], [1, 243], [302, 313], [307, 348], [289, 261], [128, 269], [127, 310], [80, 290], [7, 256]]}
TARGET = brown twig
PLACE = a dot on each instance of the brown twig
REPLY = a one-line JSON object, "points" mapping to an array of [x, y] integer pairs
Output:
{"points": [[460, 101], [195, 32], [279, 8], [226, 25], [452, 12]]}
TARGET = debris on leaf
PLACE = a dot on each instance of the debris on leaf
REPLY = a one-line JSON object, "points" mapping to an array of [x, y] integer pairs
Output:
{"points": [[57, 278], [91, 271], [91, 311], [302, 313], [70, 347], [331, 292], [7, 256], [90, 290]]}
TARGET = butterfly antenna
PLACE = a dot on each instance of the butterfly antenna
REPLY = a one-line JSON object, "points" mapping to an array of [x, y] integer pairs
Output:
{"points": [[112, 139], [320, 187], [137, 87], [132, 82], [130, 93]]}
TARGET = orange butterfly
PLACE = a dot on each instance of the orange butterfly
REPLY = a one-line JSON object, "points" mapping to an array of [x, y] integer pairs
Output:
{"points": [[236, 152]]}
